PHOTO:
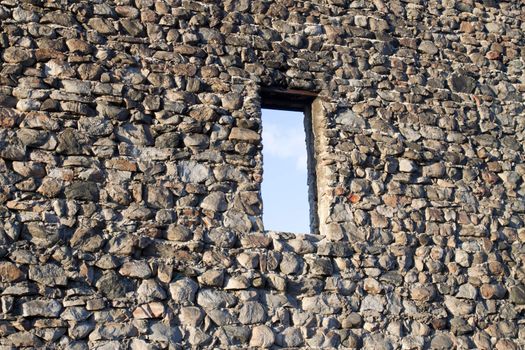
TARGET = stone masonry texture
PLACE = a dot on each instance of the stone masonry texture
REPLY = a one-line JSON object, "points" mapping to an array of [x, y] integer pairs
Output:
{"points": [[130, 172]]}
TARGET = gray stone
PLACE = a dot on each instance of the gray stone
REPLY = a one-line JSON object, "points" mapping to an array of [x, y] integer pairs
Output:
{"points": [[517, 294], [81, 330], [251, 313], [467, 291], [353, 320], [183, 291], [113, 286], [150, 290], [42, 308], [24, 339], [290, 337], [458, 307], [221, 317], [407, 166], [215, 201], [193, 172], [135, 134], [428, 47], [212, 278], [242, 134], [48, 275], [221, 237], [178, 233], [373, 303], [83, 191], [441, 341], [161, 332], [137, 212], [159, 197], [136, 269], [18, 55], [168, 140], [196, 140], [436, 170], [101, 25], [460, 327], [262, 337], [290, 264], [351, 120], [75, 313], [191, 316], [235, 335], [70, 143], [114, 331], [462, 83], [95, 126], [213, 299]]}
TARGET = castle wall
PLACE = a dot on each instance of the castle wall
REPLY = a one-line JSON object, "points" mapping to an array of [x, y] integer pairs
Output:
{"points": [[130, 170]]}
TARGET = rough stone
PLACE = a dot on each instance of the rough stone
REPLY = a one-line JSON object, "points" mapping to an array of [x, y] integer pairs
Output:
{"points": [[184, 290], [136, 269], [131, 168], [262, 337], [252, 312], [113, 286], [462, 83], [48, 275], [9, 272], [42, 308], [83, 191], [517, 294]]}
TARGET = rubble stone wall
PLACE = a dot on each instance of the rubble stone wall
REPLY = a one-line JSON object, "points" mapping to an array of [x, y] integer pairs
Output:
{"points": [[130, 170]]}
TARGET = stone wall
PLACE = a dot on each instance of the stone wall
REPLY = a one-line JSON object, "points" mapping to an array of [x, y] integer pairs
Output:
{"points": [[130, 169]]}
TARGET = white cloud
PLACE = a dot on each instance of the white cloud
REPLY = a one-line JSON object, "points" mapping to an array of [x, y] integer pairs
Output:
{"points": [[285, 143]]}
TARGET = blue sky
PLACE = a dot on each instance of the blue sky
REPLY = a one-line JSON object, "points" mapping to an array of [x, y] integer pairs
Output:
{"points": [[284, 188]]}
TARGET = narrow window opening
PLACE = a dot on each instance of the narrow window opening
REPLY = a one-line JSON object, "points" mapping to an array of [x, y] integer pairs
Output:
{"points": [[288, 189]]}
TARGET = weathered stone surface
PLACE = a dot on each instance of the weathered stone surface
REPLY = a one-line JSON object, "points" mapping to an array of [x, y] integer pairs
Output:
{"points": [[83, 191], [18, 55], [458, 307], [241, 134], [212, 278], [48, 275], [75, 313], [150, 310], [215, 201], [252, 312], [462, 83], [262, 337], [150, 290], [9, 272], [210, 298], [24, 339], [441, 341], [136, 269], [9, 117], [184, 290], [159, 197], [70, 143], [193, 172], [113, 286], [290, 337], [191, 316], [131, 168], [42, 308], [134, 134], [517, 294]]}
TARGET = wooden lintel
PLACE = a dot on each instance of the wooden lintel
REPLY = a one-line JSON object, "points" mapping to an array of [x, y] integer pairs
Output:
{"points": [[280, 91], [287, 99]]}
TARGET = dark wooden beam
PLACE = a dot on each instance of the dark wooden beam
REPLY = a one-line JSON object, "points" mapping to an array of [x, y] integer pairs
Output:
{"points": [[286, 99]]}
